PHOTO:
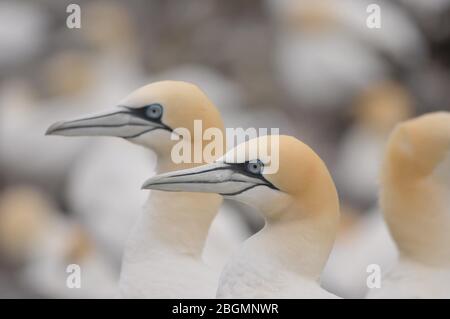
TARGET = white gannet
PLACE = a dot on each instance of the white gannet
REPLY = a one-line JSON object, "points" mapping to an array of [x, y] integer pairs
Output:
{"points": [[415, 189], [163, 256], [299, 202]]}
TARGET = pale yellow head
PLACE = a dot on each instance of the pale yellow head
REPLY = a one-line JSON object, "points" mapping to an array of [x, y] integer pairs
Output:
{"points": [[149, 115], [302, 179], [416, 147]]}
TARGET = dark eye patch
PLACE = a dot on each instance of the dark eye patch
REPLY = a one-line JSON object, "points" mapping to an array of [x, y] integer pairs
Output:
{"points": [[141, 112], [242, 168]]}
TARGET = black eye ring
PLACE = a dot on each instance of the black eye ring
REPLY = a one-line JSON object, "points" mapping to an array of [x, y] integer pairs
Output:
{"points": [[154, 111], [255, 167]]}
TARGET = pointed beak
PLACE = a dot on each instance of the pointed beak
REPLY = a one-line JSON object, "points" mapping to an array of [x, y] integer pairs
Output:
{"points": [[220, 178], [121, 122]]}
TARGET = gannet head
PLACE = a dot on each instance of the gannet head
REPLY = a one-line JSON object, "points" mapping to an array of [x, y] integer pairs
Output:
{"points": [[417, 147], [301, 179], [148, 116], [415, 187], [380, 107]]}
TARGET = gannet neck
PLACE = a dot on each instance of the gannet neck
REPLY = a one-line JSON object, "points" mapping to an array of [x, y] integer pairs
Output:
{"points": [[289, 253], [163, 255], [180, 221], [417, 212], [415, 189]]}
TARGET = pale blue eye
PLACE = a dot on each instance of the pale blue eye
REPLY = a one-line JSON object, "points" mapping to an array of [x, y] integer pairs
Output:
{"points": [[154, 111], [255, 166]]}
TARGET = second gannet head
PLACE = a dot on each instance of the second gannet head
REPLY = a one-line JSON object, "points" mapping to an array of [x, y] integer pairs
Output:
{"points": [[149, 116], [415, 188], [301, 178], [300, 191]]}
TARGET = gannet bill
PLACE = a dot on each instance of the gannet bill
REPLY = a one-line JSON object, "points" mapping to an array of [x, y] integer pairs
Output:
{"points": [[163, 256], [301, 208], [415, 185]]}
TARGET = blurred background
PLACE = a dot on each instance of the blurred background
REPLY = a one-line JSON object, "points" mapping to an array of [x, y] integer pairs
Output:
{"points": [[311, 68]]}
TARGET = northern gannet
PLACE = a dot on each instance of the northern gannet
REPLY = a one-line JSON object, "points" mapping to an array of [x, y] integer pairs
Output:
{"points": [[301, 207], [163, 256], [415, 188]]}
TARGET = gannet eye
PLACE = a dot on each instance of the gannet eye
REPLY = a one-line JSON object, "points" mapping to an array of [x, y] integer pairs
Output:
{"points": [[255, 166], [153, 111]]}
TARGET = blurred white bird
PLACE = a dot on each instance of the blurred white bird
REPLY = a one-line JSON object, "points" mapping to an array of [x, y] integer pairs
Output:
{"points": [[23, 120], [102, 191], [300, 205], [414, 199], [376, 111], [325, 52], [364, 241], [33, 233], [23, 33]]}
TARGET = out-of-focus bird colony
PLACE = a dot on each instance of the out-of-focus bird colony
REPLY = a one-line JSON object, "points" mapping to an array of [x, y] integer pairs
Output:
{"points": [[311, 68]]}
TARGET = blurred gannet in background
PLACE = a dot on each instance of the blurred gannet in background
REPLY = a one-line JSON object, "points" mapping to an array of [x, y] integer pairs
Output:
{"points": [[70, 79], [301, 207], [377, 110], [415, 188], [163, 254], [35, 235], [325, 52], [231, 98], [361, 241], [21, 41], [101, 191], [23, 118]]}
